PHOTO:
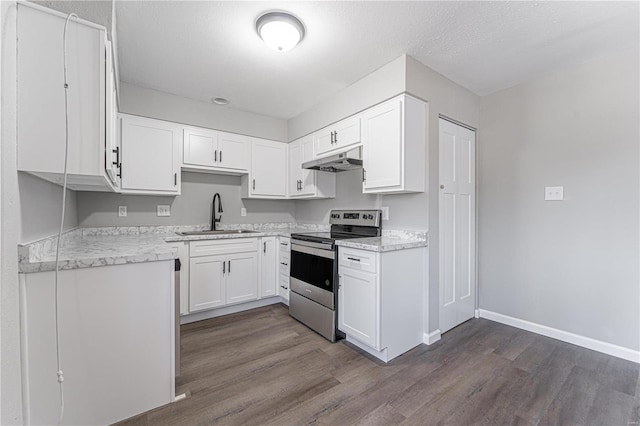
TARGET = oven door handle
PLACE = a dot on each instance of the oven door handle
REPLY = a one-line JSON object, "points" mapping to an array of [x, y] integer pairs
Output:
{"points": [[328, 254]]}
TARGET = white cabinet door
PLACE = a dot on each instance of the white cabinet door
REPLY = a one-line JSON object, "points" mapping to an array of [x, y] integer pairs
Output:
{"points": [[200, 147], [268, 269], [382, 146], [337, 136], [323, 140], [40, 112], [206, 282], [233, 151], [242, 277], [295, 174], [112, 157], [268, 169], [150, 156], [358, 313], [307, 177]]}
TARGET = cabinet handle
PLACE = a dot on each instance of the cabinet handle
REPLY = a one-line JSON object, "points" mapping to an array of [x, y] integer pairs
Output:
{"points": [[117, 153], [215, 156], [331, 138], [336, 138], [282, 263], [221, 156], [224, 267], [175, 179], [364, 175], [264, 247], [254, 184], [229, 269], [353, 258]]}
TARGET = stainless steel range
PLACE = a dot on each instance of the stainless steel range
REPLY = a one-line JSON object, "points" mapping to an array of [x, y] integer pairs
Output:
{"points": [[314, 268]]}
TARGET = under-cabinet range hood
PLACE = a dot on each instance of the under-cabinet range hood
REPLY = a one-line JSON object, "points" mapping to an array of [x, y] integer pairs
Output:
{"points": [[344, 161]]}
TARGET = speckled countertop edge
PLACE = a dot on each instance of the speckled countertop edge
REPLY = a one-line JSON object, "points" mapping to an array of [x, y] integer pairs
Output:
{"points": [[94, 247]]}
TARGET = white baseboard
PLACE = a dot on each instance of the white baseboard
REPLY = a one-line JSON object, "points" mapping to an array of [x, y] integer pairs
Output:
{"points": [[431, 338], [477, 313], [226, 310], [565, 336]]}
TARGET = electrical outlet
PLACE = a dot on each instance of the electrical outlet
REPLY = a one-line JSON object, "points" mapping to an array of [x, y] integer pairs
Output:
{"points": [[243, 211], [385, 213], [164, 211], [554, 193], [122, 211]]}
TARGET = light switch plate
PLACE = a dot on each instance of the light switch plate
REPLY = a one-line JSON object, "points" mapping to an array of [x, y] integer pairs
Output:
{"points": [[164, 211], [385, 213], [243, 211], [122, 211], [554, 193]]}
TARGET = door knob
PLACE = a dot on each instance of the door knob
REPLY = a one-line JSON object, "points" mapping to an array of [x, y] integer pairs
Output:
{"points": [[441, 186]]}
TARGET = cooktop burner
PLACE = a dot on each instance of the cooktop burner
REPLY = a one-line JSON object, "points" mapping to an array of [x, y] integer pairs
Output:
{"points": [[346, 224]]}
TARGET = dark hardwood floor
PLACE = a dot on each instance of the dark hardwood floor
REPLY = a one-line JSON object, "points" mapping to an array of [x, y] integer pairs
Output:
{"points": [[262, 367]]}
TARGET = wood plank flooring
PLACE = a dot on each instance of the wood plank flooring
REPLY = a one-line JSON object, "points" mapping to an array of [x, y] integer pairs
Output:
{"points": [[263, 367]]}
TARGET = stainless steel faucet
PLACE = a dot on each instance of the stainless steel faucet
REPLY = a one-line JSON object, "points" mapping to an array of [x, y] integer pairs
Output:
{"points": [[213, 211]]}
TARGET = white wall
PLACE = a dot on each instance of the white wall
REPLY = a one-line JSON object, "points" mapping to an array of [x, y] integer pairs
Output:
{"points": [[40, 204], [164, 106], [571, 265], [193, 207], [11, 384]]}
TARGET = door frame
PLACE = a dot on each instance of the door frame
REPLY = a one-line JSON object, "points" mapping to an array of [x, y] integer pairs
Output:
{"points": [[475, 193]]}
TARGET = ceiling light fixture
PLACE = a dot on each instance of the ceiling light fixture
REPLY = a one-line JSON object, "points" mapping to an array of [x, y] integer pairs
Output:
{"points": [[220, 101], [280, 31]]}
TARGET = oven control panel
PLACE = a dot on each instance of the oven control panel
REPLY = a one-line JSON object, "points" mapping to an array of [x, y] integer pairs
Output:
{"points": [[355, 217]]}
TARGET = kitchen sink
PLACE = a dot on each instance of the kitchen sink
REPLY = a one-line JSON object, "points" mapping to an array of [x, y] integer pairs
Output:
{"points": [[222, 232]]}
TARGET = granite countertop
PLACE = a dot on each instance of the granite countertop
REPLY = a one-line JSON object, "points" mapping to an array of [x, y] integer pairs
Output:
{"points": [[100, 250], [92, 247], [390, 240]]}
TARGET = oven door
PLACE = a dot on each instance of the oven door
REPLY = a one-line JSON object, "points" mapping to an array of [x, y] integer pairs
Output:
{"points": [[313, 272]]}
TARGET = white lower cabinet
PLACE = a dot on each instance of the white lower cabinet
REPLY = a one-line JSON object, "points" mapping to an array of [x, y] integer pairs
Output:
{"points": [[227, 277], [358, 305], [284, 256], [206, 283], [380, 299], [268, 268]]}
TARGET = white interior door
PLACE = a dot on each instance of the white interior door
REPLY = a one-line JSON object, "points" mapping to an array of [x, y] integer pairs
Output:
{"points": [[457, 224]]}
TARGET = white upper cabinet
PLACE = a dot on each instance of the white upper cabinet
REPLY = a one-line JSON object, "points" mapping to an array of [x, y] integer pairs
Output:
{"points": [[113, 163], [150, 156], [210, 150], [200, 147], [40, 98], [308, 183], [234, 151], [268, 173], [394, 146], [337, 137]]}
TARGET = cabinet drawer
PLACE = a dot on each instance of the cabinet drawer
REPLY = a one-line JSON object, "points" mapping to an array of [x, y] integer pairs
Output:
{"points": [[227, 246], [360, 260], [284, 282], [284, 266], [285, 245]]}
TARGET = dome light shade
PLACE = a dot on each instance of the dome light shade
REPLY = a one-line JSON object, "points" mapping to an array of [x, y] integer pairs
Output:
{"points": [[279, 30]]}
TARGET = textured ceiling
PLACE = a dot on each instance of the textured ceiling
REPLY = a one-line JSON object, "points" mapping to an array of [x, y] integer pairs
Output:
{"points": [[203, 49]]}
